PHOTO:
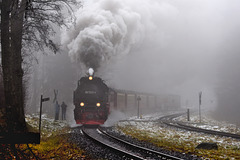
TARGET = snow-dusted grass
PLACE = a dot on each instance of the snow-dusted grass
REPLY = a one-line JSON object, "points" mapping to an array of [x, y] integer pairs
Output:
{"points": [[49, 126], [181, 140], [54, 142], [211, 124]]}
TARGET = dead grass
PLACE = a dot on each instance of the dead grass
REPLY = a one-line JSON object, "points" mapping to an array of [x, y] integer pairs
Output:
{"points": [[175, 140]]}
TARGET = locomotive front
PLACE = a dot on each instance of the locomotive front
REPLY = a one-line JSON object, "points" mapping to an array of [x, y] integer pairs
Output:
{"points": [[91, 101]]}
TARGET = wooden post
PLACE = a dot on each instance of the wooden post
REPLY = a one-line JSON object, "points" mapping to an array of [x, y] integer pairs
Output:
{"points": [[115, 100], [135, 102], [155, 101], [147, 101], [200, 101], [126, 96], [138, 100], [40, 117]]}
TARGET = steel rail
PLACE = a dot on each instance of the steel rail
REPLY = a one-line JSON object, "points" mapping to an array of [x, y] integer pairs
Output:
{"points": [[197, 129], [120, 151], [168, 120], [162, 155]]}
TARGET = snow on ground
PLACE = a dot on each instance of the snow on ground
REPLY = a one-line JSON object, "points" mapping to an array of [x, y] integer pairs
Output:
{"points": [[179, 135], [148, 117], [48, 126], [209, 123], [152, 130]]}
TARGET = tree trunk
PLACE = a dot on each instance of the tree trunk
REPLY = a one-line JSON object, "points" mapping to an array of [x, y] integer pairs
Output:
{"points": [[11, 38]]}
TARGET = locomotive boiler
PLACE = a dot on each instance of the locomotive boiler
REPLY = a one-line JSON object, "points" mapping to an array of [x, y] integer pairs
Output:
{"points": [[91, 100]]}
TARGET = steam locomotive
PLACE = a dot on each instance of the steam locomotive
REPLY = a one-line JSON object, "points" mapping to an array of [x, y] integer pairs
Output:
{"points": [[91, 100]]}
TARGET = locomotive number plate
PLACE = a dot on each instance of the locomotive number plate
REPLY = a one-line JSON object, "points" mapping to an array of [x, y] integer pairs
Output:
{"points": [[90, 92]]}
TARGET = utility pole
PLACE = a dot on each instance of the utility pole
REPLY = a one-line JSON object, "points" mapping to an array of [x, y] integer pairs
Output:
{"points": [[188, 115], [200, 101], [138, 99]]}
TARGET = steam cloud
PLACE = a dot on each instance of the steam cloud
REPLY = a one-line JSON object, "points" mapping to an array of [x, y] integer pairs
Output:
{"points": [[186, 46], [103, 29]]}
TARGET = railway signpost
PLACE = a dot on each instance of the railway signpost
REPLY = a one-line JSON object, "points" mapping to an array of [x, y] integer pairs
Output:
{"points": [[40, 118]]}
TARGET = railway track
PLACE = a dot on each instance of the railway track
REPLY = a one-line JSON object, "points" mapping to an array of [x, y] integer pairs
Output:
{"points": [[124, 148], [168, 120]]}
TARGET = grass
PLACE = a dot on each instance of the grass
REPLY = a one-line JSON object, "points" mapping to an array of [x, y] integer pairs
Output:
{"points": [[57, 147], [182, 141], [54, 140]]}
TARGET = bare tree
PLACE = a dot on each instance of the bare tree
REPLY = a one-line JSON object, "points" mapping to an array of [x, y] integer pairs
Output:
{"points": [[25, 22], [40, 18], [12, 14]]}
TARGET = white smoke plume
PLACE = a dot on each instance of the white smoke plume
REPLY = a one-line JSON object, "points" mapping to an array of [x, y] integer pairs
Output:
{"points": [[90, 71], [105, 28], [114, 117]]}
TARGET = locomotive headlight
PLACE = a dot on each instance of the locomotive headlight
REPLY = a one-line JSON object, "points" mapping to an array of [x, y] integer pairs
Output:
{"points": [[81, 104], [90, 78], [98, 104]]}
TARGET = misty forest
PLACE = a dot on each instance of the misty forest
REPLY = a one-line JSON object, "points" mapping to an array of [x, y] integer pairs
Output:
{"points": [[158, 47]]}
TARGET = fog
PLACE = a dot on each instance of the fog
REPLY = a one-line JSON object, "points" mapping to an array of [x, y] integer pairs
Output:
{"points": [[158, 46]]}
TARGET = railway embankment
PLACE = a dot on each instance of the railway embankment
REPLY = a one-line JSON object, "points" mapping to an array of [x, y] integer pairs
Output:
{"points": [[60, 142], [180, 140]]}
